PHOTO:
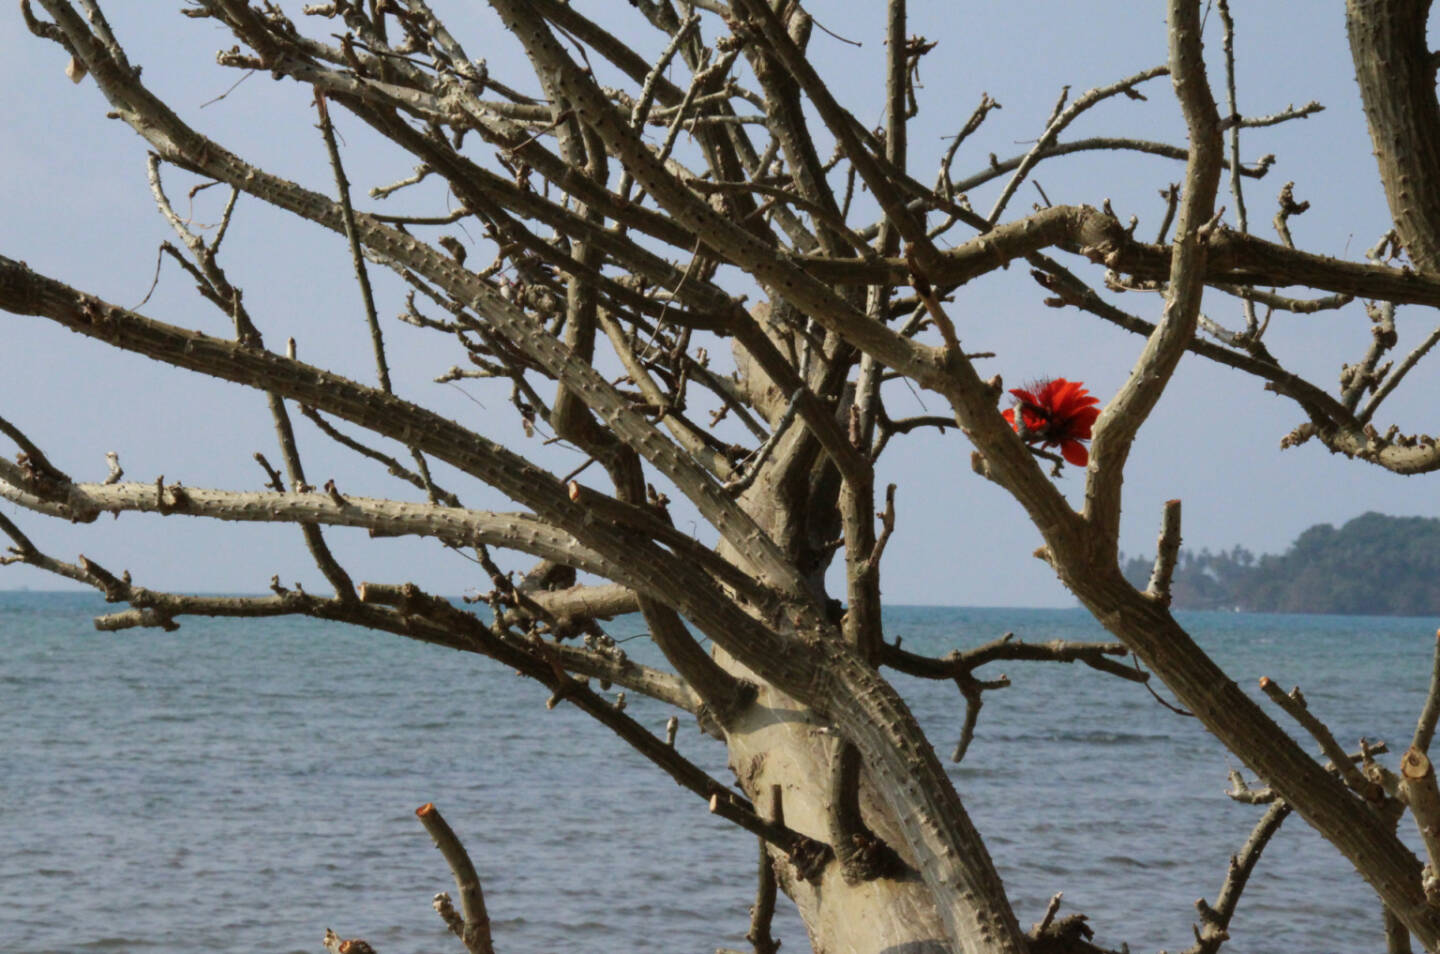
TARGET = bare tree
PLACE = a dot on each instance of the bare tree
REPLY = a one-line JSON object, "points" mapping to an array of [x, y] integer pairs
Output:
{"points": [[622, 201]]}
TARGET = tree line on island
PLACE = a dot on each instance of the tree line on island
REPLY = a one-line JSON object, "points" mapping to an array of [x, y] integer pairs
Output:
{"points": [[1373, 565]]}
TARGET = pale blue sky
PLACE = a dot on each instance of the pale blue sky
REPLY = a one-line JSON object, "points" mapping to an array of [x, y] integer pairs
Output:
{"points": [[76, 207]]}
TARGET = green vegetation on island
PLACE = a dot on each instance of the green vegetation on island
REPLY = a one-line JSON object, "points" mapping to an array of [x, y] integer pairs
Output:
{"points": [[1373, 565]]}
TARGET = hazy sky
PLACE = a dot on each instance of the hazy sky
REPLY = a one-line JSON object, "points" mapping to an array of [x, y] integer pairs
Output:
{"points": [[76, 206]]}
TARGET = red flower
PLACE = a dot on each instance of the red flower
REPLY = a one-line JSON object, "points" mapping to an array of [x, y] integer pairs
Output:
{"points": [[1057, 413]]}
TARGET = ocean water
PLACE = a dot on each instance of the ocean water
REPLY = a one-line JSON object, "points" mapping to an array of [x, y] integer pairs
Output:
{"points": [[240, 786]]}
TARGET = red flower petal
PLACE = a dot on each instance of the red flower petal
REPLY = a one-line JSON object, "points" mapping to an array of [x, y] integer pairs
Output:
{"points": [[1075, 453], [1082, 421], [1024, 396], [1067, 398]]}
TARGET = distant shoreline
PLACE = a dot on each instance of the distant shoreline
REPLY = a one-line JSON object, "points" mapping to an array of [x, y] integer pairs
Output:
{"points": [[1374, 565]]}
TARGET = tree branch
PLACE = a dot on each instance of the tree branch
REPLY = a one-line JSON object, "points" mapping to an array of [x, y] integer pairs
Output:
{"points": [[1430, 712], [1167, 552], [1128, 409], [1215, 920], [475, 932]]}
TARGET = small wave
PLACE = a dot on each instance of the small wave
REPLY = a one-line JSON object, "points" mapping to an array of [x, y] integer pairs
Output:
{"points": [[114, 943], [1124, 861], [1102, 737], [8, 680]]}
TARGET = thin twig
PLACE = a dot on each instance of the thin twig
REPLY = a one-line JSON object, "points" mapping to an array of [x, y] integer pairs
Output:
{"points": [[1166, 554], [392, 466], [762, 912], [1295, 706], [35, 460], [357, 257], [1242, 222], [1430, 712], [1061, 119], [476, 932], [1215, 920], [753, 464]]}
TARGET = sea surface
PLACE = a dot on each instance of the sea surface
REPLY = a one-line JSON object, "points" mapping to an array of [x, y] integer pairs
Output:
{"points": [[240, 786]]}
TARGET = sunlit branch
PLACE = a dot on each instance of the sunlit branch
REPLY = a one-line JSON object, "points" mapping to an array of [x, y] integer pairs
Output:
{"points": [[474, 929]]}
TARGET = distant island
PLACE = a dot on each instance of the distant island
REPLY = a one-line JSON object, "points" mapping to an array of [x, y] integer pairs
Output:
{"points": [[1374, 565]]}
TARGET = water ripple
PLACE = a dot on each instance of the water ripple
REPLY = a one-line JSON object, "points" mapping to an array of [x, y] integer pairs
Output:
{"points": [[213, 777]]}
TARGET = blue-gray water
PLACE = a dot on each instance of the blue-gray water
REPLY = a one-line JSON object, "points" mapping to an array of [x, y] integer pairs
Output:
{"points": [[240, 786]]}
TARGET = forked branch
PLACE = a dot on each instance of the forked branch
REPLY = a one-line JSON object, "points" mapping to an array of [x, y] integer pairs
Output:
{"points": [[474, 927]]}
